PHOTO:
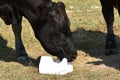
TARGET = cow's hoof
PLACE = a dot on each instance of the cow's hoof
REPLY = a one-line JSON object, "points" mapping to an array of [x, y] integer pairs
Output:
{"points": [[111, 52], [24, 60]]}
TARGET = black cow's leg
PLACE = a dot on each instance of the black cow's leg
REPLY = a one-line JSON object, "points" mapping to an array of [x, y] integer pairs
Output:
{"points": [[20, 50], [108, 13]]}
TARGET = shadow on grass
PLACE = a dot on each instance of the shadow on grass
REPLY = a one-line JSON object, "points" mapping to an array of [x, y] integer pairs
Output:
{"points": [[93, 43], [90, 42], [8, 54]]}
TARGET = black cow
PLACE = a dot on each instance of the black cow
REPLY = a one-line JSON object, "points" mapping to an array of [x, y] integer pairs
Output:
{"points": [[49, 22], [108, 13]]}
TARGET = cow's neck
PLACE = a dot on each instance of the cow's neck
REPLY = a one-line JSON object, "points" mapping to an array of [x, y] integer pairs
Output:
{"points": [[32, 2]]}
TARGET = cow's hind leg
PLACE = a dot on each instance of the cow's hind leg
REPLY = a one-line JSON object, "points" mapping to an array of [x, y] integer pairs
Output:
{"points": [[20, 50], [108, 13]]}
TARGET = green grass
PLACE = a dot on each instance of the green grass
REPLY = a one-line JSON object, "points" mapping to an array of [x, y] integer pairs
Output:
{"points": [[89, 31]]}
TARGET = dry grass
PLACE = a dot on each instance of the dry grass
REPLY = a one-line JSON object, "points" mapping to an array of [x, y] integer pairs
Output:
{"points": [[89, 30]]}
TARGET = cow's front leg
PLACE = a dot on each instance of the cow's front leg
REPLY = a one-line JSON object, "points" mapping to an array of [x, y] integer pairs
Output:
{"points": [[20, 50], [108, 13]]}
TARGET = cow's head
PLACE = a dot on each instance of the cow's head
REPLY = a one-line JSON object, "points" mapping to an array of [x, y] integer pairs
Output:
{"points": [[55, 35]]}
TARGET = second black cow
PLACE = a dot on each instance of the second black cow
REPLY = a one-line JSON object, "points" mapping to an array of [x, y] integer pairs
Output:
{"points": [[108, 13]]}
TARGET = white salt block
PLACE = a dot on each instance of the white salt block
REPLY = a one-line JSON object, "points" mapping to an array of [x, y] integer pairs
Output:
{"points": [[49, 66]]}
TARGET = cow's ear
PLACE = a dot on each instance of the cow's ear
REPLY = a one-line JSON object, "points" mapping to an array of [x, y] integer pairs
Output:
{"points": [[61, 5], [42, 8]]}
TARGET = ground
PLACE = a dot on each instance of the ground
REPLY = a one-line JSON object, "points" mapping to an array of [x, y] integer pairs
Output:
{"points": [[89, 32]]}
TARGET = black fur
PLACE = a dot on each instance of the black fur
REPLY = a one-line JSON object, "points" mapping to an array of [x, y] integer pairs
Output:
{"points": [[49, 21], [108, 13]]}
